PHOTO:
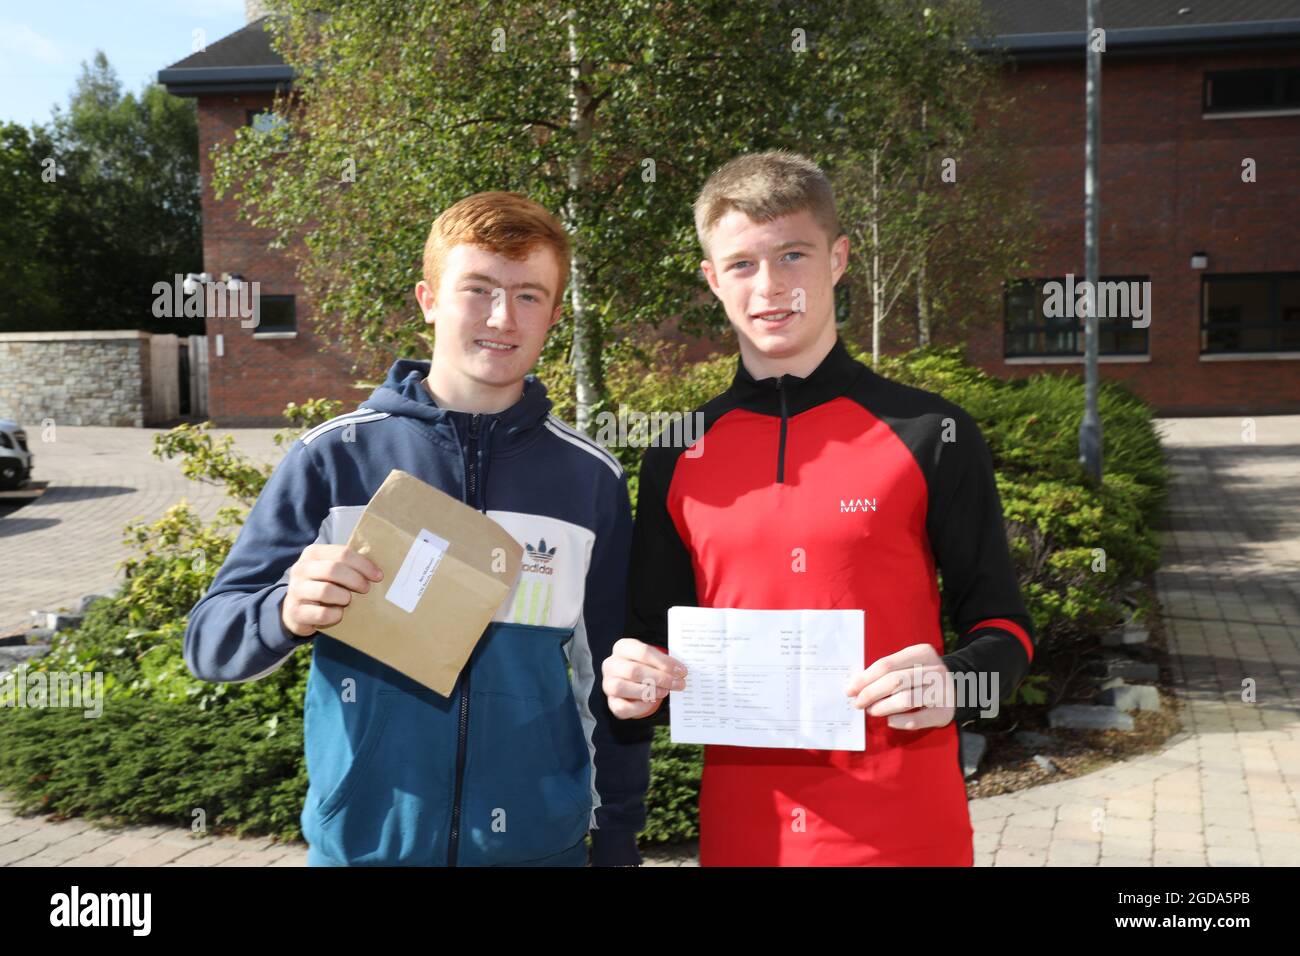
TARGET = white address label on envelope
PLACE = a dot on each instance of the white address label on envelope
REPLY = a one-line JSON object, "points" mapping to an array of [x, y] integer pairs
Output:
{"points": [[417, 568]]}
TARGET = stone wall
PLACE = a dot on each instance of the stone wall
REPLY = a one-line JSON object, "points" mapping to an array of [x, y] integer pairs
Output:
{"points": [[75, 378]]}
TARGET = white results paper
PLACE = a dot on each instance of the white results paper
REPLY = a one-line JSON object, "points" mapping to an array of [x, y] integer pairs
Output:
{"points": [[767, 678]]}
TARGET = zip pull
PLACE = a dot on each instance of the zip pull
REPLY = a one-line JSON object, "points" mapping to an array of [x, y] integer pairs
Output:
{"points": [[485, 456], [473, 462]]}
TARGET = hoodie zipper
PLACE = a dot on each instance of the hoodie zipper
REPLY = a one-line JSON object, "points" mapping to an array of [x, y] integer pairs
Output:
{"points": [[780, 450], [474, 464]]}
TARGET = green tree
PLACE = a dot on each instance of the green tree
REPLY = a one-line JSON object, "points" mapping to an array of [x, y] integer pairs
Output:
{"points": [[118, 213], [610, 112], [27, 210], [934, 200]]}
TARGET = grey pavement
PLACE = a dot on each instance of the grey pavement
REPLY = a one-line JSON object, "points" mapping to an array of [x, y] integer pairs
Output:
{"points": [[1224, 791], [33, 841], [68, 541]]}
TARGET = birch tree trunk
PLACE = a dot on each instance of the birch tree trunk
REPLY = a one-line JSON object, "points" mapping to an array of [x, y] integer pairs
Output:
{"points": [[585, 355], [877, 283], [922, 305]]}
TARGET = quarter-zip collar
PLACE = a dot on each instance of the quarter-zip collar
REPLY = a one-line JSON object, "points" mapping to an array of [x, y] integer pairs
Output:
{"points": [[785, 396], [788, 395]]}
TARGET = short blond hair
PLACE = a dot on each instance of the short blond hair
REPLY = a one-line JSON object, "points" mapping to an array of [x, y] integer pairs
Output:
{"points": [[502, 222], [766, 186]]}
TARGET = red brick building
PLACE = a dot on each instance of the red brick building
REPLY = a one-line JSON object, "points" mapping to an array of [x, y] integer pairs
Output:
{"points": [[252, 372], [1199, 185], [1187, 98]]}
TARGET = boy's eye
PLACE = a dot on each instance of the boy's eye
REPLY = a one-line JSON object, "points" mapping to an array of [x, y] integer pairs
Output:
{"points": [[745, 263], [530, 297]]}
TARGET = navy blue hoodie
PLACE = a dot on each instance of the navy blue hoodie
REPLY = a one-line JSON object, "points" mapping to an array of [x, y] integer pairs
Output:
{"points": [[521, 761]]}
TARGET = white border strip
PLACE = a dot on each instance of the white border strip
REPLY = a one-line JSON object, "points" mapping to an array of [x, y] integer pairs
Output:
{"points": [[357, 417], [582, 441]]}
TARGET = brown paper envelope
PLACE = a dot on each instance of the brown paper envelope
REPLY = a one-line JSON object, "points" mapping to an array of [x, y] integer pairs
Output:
{"points": [[472, 575]]}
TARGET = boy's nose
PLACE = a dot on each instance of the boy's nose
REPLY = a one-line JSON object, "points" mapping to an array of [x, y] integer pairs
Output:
{"points": [[503, 313], [768, 284]]}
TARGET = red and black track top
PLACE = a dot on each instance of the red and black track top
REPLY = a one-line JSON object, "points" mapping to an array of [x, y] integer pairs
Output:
{"points": [[839, 490]]}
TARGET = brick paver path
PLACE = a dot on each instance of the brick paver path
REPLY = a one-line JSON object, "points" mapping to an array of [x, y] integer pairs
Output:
{"points": [[68, 542], [1226, 791]]}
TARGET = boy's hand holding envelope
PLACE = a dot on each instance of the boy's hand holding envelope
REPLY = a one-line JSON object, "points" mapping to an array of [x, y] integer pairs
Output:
{"points": [[450, 567], [321, 584]]}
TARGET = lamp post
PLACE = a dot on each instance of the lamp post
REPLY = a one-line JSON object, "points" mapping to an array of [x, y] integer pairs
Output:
{"points": [[1090, 428]]}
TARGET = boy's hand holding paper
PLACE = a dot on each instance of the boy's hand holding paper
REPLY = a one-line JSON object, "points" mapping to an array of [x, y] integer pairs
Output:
{"points": [[912, 687], [637, 678], [451, 567]]}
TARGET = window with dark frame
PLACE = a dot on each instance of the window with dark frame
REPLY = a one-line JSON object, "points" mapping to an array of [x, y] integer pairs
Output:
{"points": [[1239, 91], [268, 122], [275, 313], [1029, 332], [1250, 312]]}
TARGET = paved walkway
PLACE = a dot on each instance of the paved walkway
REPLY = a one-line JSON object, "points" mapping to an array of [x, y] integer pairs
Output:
{"points": [[68, 542], [1225, 791], [31, 841]]}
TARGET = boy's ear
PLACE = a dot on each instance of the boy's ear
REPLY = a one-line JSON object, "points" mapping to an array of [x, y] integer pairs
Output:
{"points": [[839, 257], [425, 296], [707, 268]]}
